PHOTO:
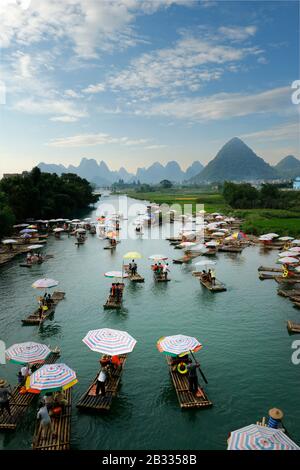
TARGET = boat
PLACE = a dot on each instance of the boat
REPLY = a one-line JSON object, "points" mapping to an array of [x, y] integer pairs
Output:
{"points": [[287, 280], [186, 398], [61, 427], [133, 277], [34, 318], [217, 287], [293, 327], [160, 277], [113, 302], [29, 265], [90, 401], [20, 402]]}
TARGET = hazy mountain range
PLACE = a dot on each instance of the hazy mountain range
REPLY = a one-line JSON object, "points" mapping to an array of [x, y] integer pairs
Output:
{"points": [[100, 174], [235, 161]]}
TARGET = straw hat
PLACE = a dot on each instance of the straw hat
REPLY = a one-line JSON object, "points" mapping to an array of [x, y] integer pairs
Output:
{"points": [[3, 383], [276, 413]]}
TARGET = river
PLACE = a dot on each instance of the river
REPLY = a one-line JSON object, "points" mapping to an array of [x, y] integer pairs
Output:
{"points": [[246, 353]]}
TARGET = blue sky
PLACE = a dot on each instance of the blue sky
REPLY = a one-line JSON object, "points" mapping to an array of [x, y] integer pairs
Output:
{"points": [[132, 82]]}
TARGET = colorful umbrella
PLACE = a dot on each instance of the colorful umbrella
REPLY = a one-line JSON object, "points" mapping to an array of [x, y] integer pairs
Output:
{"points": [[35, 247], [51, 377], [117, 274], [58, 229], [27, 353], [132, 255], [109, 341], [187, 244], [285, 239], [158, 257], [26, 235], [295, 249], [212, 243], [255, 437], [28, 230], [283, 254], [288, 260], [9, 241], [44, 283], [177, 345]]}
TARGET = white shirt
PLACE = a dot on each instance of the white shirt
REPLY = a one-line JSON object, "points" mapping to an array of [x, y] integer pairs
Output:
{"points": [[25, 371], [165, 269], [102, 376]]}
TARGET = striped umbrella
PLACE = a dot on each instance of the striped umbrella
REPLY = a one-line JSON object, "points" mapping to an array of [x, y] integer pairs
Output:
{"points": [[44, 283], [27, 353], [109, 341], [158, 257], [255, 437], [116, 274], [53, 377], [178, 345]]}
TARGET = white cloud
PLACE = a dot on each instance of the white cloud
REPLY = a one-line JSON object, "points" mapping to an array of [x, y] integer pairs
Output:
{"points": [[64, 109], [94, 88], [90, 25], [186, 66], [64, 119], [91, 140], [237, 33], [223, 105], [283, 132]]}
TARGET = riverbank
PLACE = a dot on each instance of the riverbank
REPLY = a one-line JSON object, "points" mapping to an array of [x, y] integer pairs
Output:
{"points": [[255, 221]]}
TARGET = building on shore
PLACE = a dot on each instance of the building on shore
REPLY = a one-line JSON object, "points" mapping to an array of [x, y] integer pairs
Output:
{"points": [[296, 183]]}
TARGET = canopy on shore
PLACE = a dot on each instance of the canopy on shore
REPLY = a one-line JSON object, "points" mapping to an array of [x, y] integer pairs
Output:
{"points": [[178, 345], [45, 283], [27, 353], [53, 377], [109, 341], [255, 437], [9, 241], [285, 239], [28, 230]]}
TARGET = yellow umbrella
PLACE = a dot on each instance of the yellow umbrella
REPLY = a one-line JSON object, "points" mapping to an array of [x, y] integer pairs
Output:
{"points": [[132, 255]]}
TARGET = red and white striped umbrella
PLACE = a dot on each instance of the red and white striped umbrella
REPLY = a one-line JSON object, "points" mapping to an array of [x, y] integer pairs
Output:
{"points": [[178, 344], [109, 341], [255, 437], [27, 353], [52, 377], [44, 283]]}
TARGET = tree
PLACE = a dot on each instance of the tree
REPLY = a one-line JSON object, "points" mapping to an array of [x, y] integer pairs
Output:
{"points": [[166, 184], [7, 218]]}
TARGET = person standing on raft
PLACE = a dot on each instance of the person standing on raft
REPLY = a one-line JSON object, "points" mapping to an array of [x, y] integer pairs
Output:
{"points": [[192, 375]]}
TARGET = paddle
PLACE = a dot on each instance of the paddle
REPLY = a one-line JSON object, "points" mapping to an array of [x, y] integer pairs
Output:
{"points": [[203, 376]]}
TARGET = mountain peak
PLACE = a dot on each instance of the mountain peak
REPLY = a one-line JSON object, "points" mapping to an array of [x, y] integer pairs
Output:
{"points": [[235, 161]]}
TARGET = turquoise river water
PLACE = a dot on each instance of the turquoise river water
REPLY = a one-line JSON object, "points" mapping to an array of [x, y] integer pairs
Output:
{"points": [[246, 353]]}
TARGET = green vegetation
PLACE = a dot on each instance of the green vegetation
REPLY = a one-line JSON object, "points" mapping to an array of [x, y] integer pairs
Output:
{"points": [[42, 195], [285, 221]]}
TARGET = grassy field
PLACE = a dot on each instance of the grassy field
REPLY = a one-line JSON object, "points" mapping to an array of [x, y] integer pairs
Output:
{"points": [[256, 221]]}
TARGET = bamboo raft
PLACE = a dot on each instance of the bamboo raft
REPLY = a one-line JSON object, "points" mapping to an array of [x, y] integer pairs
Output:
{"points": [[161, 278], [114, 303], [133, 278], [286, 280], [19, 403], [62, 429], [29, 265], [217, 287], [297, 304], [291, 293], [97, 402], [270, 269], [34, 319], [186, 258], [186, 398], [293, 327]]}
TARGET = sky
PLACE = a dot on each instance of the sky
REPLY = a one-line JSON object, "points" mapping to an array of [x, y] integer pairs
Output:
{"points": [[132, 82]]}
